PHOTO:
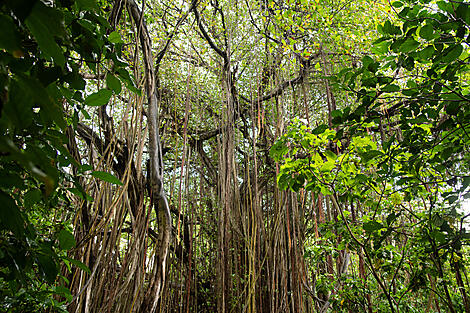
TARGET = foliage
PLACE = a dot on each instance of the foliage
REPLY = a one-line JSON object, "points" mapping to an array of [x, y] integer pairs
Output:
{"points": [[43, 46], [402, 154]]}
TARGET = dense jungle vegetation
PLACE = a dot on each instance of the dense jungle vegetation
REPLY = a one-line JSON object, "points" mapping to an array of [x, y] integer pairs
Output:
{"points": [[234, 156]]}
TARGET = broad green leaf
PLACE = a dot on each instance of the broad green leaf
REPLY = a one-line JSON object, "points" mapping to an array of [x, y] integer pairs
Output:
{"points": [[320, 129], [128, 80], [325, 190], [426, 32], [330, 155], [75, 80], [99, 98], [409, 45], [372, 226], [32, 197], [42, 23], [404, 12], [89, 26], [438, 236], [452, 199], [19, 108], [10, 215], [361, 178], [107, 177], [278, 150], [387, 27], [465, 183], [391, 218], [113, 83], [370, 154], [10, 180], [78, 264], [381, 47], [391, 88], [48, 267], [336, 113], [87, 4], [283, 180], [445, 6], [66, 240], [9, 37], [451, 53], [327, 166], [85, 167], [426, 53], [115, 37], [395, 46], [52, 104], [463, 12]]}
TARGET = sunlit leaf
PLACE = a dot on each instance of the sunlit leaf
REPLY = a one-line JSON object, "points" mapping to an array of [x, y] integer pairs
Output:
{"points": [[99, 98], [107, 177]]}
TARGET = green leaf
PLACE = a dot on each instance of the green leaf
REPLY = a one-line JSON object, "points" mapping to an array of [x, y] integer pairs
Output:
{"points": [[426, 53], [327, 166], [113, 83], [445, 6], [391, 88], [381, 47], [78, 264], [452, 199], [325, 190], [63, 291], [330, 155], [438, 236], [19, 109], [75, 80], [48, 267], [370, 154], [10, 180], [9, 37], [278, 150], [463, 12], [320, 129], [42, 22], [99, 98], [66, 240], [395, 46], [451, 53], [452, 108], [87, 4], [361, 178], [128, 81], [106, 177], [32, 197], [10, 215], [388, 28], [465, 183], [115, 37], [409, 45], [372, 226], [397, 4], [426, 32], [283, 180], [391, 218], [336, 113]]}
